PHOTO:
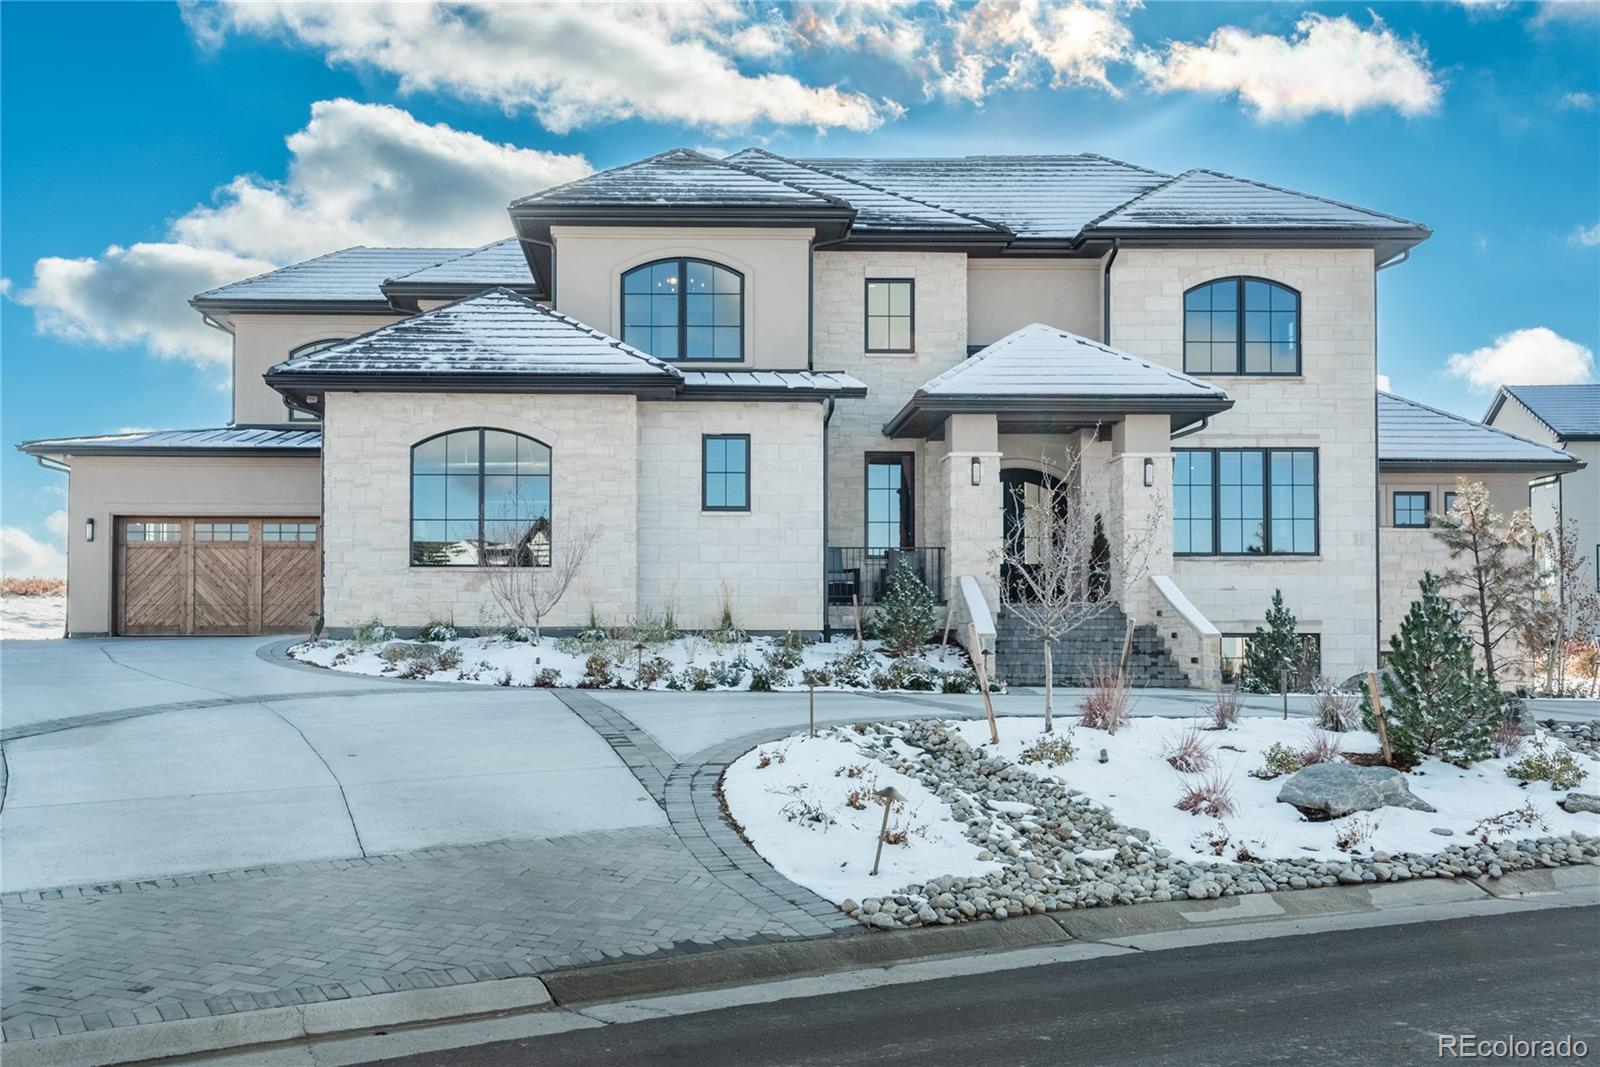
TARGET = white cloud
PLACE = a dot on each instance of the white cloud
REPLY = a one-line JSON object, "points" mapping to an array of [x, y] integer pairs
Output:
{"points": [[1580, 11], [569, 65], [1534, 356], [56, 523], [1327, 65], [356, 174], [1580, 101], [24, 556], [1586, 235], [1383, 383]]}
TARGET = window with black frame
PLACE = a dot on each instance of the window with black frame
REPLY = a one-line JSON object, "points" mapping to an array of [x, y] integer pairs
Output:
{"points": [[1411, 509], [480, 497], [890, 505], [688, 309], [725, 472], [1245, 502], [1241, 326], [891, 314]]}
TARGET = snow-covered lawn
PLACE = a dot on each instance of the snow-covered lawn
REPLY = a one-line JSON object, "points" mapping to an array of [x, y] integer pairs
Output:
{"points": [[1107, 828], [687, 662], [32, 617]]}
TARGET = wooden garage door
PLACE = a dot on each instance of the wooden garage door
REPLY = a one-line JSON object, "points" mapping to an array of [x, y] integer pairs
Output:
{"points": [[217, 575]]}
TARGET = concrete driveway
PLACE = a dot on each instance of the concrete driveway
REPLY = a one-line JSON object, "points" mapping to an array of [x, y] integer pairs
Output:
{"points": [[112, 776]]}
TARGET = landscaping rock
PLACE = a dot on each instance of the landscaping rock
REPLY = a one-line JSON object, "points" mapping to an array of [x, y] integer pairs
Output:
{"points": [[1331, 790], [1580, 802]]}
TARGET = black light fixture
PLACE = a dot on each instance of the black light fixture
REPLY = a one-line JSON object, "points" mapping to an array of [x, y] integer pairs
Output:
{"points": [[88, 529], [1149, 472], [977, 471]]}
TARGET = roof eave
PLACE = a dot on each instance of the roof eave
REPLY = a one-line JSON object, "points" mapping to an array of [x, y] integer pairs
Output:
{"points": [[925, 413], [301, 382], [295, 307], [64, 454], [771, 393], [1479, 466]]}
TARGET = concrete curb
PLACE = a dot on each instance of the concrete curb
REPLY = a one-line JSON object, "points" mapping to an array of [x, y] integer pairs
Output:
{"points": [[185, 1037]]}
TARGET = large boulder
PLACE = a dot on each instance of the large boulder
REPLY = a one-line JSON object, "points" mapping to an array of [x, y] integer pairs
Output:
{"points": [[1577, 803], [1331, 790]]}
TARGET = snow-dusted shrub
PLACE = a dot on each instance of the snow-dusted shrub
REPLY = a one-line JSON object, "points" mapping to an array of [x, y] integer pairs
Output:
{"points": [[1516, 821], [398, 652], [597, 672], [960, 680], [1273, 650], [1279, 760], [547, 678], [1546, 763], [906, 616], [654, 629], [767, 678], [694, 678], [908, 673], [1335, 709], [504, 681], [1053, 749], [728, 674], [1105, 706], [853, 669], [370, 632], [1212, 795], [436, 631], [1189, 754], [787, 651], [1353, 834], [449, 658], [1508, 739], [585, 642], [652, 672], [816, 676], [419, 667], [1324, 748], [1223, 711], [520, 635]]}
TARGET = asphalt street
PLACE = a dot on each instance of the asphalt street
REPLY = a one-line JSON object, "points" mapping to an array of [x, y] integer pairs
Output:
{"points": [[1376, 996]]}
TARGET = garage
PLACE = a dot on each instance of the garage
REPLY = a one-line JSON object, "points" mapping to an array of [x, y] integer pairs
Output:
{"points": [[215, 576]]}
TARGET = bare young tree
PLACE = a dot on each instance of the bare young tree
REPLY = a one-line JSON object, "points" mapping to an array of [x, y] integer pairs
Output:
{"points": [[528, 581], [1058, 564], [1494, 568], [1566, 610]]}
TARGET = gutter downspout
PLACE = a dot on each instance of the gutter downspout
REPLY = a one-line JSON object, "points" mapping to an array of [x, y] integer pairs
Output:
{"points": [[1187, 430], [550, 287], [827, 417], [1105, 292]]}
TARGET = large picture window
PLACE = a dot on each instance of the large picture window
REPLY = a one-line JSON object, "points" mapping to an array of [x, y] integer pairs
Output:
{"points": [[684, 309], [1244, 502], [480, 497], [1241, 326]]}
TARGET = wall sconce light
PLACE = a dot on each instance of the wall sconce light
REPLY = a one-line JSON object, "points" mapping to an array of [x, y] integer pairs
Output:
{"points": [[1149, 472], [977, 471], [88, 529]]}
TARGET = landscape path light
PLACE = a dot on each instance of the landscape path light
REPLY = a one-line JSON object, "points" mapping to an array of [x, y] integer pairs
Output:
{"points": [[890, 796]]}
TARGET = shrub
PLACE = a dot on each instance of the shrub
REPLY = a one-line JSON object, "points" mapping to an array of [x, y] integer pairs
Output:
{"points": [[1189, 754], [1279, 759], [1272, 650], [652, 671], [1508, 739], [1507, 823], [1223, 711], [1354, 833], [696, 678], [1546, 764], [1212, 796], [397, 652], [906, 616], [522, 635], [419, 665], [1054, 749], [787, 652], [1324, 748], [1105, 706], [766, 679], [960, 680], [852, 669], [1335, 710], [597, 672], [655, 629], [504, 681], [816, 676], [33, 586], [370, 632], [547, 678], [449, 658], [1436, 700], [911, 674], [436, 631], [586, 642]]}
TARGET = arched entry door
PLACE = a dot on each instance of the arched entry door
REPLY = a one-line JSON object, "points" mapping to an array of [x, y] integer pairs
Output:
{"points": [[1023, 493]]}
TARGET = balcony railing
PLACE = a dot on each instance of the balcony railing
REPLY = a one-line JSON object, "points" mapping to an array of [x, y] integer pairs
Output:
{"points": [[864, 573]]}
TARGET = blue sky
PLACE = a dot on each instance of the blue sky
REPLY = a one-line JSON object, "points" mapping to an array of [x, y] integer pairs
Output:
{"points": [[147, 151]]}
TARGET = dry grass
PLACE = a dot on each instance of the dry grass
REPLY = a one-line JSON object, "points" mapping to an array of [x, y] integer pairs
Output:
{"points": [[1189, 754], [1223, 711], [1324, 748], [1209, 796], [1106, 705], [33, 586]]}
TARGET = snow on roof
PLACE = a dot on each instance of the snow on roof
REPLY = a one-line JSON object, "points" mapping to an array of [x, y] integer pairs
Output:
{"points": [[679, 177], [798, 381], [1571, 411], [493, 332], [1034, 196], [1043, 361], [1207, 199], [497, 263], [1416, 433], [876, 208], [352, 274], [218, 439]]}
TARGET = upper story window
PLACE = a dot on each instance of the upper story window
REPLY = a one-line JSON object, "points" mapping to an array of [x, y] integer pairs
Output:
{"points": [[891, 314], [480, 497], [1411, 509], [684, 309], [1241, 326], [295, 414]]}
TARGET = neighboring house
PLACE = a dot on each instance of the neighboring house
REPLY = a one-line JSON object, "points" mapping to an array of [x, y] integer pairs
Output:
{"points": [[1567, 417], [757, 382]]}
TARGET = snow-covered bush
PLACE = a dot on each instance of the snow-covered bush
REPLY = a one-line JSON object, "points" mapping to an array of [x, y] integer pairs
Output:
{"points": [[1279, 759], [1105, 705], [767, 678], [1272, 650], [654, 629], [1515, 821], [853, 669], [1436, 700], [436, 631], [906, 615], [519, 635], [787, 651], [1355, 832], [907, 673], [1212, 795], [1189, 754], [1053, 749], [370, 632], [547, 678], [449, 658], [597, 673], [1546, 763], [816, 676], [652, 672], [585, 642], [960, 680]]}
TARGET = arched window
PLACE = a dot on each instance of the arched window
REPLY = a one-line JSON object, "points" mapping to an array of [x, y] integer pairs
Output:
{"points": [[480, 497], [1241, 326], [684, 309]]}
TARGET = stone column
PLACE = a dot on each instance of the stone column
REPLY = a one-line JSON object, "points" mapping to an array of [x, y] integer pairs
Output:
{"points": [[972, 512], [1135, 440]]}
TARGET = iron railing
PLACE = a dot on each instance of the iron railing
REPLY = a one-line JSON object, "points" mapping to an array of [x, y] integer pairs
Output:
{"points": [[864, 573]]}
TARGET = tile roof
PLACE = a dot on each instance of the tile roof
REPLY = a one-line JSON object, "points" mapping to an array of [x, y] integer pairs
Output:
{"points": [[221, 439], [497, 263], [495, 332], [1043, 361], [1409, 432], [679, 177], [1571, 411], [834, 383], [1206, 199], [351, 275]]}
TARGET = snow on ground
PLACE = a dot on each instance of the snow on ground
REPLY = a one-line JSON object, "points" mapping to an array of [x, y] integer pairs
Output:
{"points": [[498, 661], [32, 617], [777, 792]]}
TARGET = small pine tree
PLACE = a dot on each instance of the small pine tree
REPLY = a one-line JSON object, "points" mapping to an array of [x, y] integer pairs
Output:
{"points": [[1437, 702], [1099, 563], [906, 616], [1277, 648]]}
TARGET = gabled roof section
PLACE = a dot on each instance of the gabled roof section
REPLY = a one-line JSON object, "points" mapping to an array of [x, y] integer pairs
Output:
{"points": [[1413, 436], [221, 440], [1208, 200], [679, 177], [1036, 197], [348, 280], [1043, 373], [494, 336], [877, 209], [1571, 411], [499, 264]]}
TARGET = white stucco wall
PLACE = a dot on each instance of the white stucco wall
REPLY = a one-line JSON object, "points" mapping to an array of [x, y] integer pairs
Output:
{"points": [[1329, 407], [1580, 490], [1007, 294], [261, 341]]}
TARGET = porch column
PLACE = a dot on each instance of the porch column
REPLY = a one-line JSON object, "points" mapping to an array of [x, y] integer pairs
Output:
{"points": [[972, 512], [1134, 440]]}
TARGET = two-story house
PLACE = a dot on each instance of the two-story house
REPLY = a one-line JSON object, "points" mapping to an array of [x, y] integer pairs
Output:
{"points": [[752, 383]]}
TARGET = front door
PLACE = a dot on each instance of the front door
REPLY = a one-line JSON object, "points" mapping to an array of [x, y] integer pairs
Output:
{"points": [[1023, 496]]}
